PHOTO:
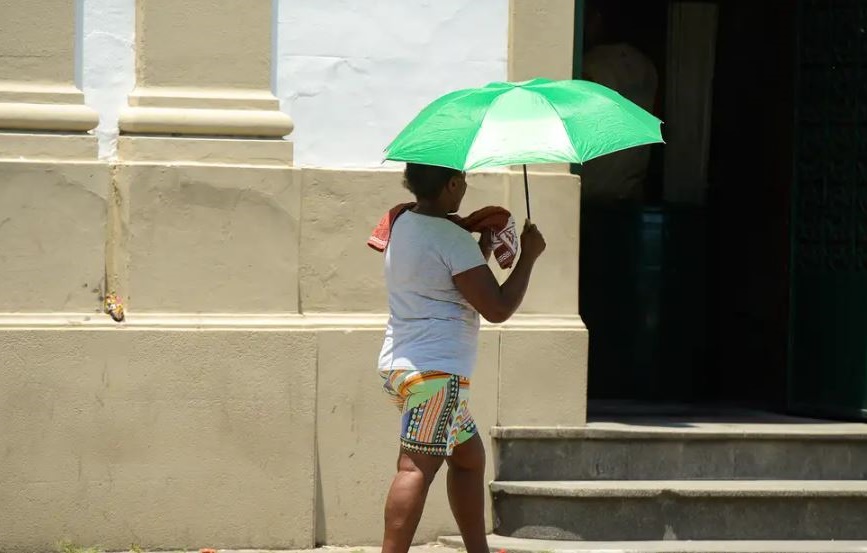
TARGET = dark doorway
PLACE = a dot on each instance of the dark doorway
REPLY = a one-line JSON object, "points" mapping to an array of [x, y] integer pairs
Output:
{"points": [[687, 302], [749, 203]]}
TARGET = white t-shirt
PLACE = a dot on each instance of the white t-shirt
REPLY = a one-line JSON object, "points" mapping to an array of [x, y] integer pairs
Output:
{"points": [[431, 326]]}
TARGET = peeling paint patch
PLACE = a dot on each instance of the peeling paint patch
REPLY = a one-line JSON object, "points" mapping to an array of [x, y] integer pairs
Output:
{"points": [[108, 64]]}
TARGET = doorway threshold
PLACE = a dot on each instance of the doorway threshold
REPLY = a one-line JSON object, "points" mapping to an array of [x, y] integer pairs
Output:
{"points": [[709, 418]]}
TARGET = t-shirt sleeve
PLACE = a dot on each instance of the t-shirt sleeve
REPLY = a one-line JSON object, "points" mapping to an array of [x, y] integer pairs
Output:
{"points": [[463, 254]]}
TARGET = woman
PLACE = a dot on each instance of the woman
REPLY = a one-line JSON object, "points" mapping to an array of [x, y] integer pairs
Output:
{"points": [[438, 284]]}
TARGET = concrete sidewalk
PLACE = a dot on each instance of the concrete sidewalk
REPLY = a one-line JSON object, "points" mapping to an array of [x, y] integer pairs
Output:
{"points": [[429, 548]]}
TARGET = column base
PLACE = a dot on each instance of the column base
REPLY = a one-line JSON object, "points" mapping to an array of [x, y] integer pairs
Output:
{"points": [[34, 146], [56, 108], [169, 111]]}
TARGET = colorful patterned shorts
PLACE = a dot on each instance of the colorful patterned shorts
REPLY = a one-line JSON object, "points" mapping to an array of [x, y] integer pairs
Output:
{"points": [[435, 417]]}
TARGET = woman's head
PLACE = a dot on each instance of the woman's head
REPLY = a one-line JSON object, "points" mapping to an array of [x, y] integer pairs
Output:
{"points": [[440, 186]]}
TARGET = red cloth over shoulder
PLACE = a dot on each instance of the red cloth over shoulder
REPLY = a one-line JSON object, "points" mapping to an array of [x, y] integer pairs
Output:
{"points": [[496, 220]]}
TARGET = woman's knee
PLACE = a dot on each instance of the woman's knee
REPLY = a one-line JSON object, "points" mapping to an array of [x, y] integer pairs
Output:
{"points": [[423, 466], [469, 456]]}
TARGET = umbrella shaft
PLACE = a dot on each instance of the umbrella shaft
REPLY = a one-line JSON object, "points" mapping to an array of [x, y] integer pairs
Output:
{"points": [[527, 191]]}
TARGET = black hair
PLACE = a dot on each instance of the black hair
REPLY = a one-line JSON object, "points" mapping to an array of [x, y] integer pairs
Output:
{"points": [[426, 182]]}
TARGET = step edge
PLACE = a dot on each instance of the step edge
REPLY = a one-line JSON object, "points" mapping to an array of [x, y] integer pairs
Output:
{"points": [[526, 545], [664, 434], [684, 488]]}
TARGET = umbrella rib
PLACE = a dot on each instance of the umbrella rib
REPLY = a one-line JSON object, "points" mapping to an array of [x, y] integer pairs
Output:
{"points": [[620, 108], [615, 150], [563, 122], [456, 95]]}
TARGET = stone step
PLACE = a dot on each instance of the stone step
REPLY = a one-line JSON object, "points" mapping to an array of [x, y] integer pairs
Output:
{"points": [[709, 451], [518, 545], [682, 510]]}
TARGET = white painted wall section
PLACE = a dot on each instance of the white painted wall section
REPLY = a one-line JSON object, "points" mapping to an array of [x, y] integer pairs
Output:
{"points": [[353, 73], [107, 45]]}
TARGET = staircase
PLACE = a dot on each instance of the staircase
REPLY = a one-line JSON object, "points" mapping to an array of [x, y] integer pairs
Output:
{"points": [[766, 485]]}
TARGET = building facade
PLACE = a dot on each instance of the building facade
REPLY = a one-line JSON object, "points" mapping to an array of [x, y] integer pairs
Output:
{"points": [[212, 168]]}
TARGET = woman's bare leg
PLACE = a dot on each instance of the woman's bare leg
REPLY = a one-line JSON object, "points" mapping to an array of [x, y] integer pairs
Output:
{"points": [[466, 487], [406, 499]]}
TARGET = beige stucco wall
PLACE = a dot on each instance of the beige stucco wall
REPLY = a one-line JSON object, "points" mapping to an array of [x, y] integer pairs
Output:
{"points": [[172, 432], [166, 438], [45, 56], [237, 405], [204, 34], [209, 236], [52, 235], [540, 39], [341, 207], [270, 417]]}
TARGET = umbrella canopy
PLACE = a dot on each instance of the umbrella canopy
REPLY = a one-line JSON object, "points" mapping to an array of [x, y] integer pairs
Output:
{"points": [[537, 121]]}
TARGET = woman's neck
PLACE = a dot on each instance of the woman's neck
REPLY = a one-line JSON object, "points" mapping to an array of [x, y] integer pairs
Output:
{"points": [[430, 209]]}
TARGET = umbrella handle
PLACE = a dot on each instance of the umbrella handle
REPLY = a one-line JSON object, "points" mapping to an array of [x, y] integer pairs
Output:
{"points": [[527, 191]]}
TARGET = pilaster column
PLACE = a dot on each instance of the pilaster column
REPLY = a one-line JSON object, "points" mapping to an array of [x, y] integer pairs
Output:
{"points": [[207, 201], [549, 335], [541, 33], [204, 68], [52, 187], [37, 68]]}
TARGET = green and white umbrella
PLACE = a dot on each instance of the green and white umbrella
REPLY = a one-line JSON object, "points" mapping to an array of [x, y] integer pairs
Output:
{"points": [[537, 121]]}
